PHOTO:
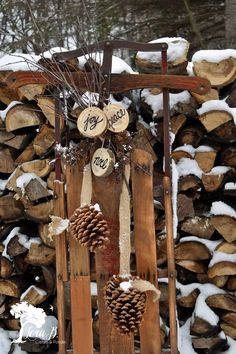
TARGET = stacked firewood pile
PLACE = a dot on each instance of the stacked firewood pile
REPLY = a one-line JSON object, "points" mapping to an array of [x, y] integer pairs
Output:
{"points": [[203, 138], [204, 155]]}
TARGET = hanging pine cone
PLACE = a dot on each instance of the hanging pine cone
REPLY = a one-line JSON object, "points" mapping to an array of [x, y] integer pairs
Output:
{"points": [[87, 225], [125, 303]]}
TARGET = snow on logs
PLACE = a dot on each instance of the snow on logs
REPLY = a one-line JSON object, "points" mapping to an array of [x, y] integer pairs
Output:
{"points": [[203, 137]]}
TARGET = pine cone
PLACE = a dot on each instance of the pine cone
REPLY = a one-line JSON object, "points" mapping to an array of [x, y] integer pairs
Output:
{"points": [[87, 225], [125, 306]]}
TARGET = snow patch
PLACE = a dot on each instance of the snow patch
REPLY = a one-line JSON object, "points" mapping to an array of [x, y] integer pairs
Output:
{"points": [[156, 101], [19, 62], [177, 48], [118, 65], [186, 167], [222, 257], [27, 241], [214, 55], [125, 285], [218, 170], [175, 179], [230, 186], [220, 208]]}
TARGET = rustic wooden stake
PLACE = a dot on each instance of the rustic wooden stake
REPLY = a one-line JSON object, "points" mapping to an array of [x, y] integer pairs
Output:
{"points": [[81, 312], [124, 216], [61, 266], [145, 245], [106, 192], [171, 264]]}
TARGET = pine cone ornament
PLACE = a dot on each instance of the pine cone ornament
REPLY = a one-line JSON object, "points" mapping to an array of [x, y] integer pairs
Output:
{"points": [[88, 226], [125, 303]]}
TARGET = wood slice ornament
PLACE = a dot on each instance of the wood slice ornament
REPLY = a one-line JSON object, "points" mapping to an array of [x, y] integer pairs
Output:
{"points": [[103, 162], [117, 117], [92, 122]]}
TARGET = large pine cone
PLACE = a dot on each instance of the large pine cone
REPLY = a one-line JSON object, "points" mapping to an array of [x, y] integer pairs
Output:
{"points": [[125, 304], [87, 225]]}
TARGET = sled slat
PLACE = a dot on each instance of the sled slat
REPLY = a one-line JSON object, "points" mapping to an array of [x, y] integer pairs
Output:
{"points": [[61, 266], [145, 245], [106, 192], [81, 311]]}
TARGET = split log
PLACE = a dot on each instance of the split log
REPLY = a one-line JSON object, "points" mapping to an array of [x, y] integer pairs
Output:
{"points": [[225, 133], [185, 207], [190, 135], [219, 74], [10, 208], [20, 266], [14, 247], [210, 345], [191, 250], [212, 182], [201, 327], [13, 286], [8, 95], [222, 301], [44, 235], [231, 285], [18, 142], [11, 182], [211, 95], [179, 154], [7, 160], [226, 226], [228, 330], [231, 99], [219, 281], [47, 105], [40, 255], [199, 226], [31, 90], [229, 318], [193, 266], [44, 140], [214, 119], [222, 268], [186, 183], [228, 156], [205, 160], [189, 300], [35, 190], [23, 116], [177, 122], [6, 268], [226, 247], [40, 212], [34, 295], [40, 167], [26, 155], [49, 275]]}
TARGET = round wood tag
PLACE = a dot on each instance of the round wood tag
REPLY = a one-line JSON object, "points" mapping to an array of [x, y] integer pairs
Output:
{"points": [[92, 122], [117, 116], [103, 162]]}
